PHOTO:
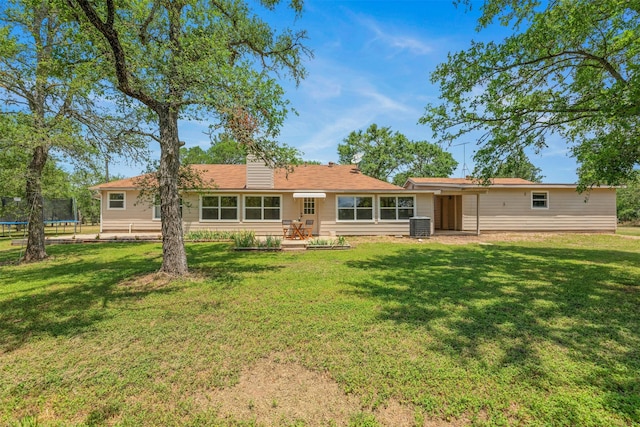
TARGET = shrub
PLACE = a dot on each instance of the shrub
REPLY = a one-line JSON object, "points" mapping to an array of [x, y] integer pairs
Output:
{"points": [[245, 239], [210, 235]]}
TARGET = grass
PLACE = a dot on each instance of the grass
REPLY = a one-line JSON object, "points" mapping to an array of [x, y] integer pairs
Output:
{"points": [[628, 230], [536, 333]]}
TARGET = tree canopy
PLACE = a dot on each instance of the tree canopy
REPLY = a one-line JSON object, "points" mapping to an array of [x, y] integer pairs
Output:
{"points": [[223, 150], [49, 85], [570, 68], [628, 200], [387, 155], [518, 165], [193, 60], [426, 160]]}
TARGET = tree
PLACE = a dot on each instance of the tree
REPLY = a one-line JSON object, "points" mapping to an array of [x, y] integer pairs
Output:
{"points": [[382, 152], [223, 150], [192, 59], [426, 160], [518, 165], [628, 200], [570, 68], [49, 85], [388, 155]]}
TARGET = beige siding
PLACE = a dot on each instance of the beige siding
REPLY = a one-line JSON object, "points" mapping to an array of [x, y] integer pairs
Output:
{"points": [[139, 217], [259, 175], [510, 210], [329, 224]]}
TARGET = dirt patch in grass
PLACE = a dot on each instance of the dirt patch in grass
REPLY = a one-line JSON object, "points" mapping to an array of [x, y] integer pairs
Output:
{"points": [[279, 391]]}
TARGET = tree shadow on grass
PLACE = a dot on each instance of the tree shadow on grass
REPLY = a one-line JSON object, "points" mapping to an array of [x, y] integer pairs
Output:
{"points": [[518, 300], [74, 289], [66, 298], [226, 268]]}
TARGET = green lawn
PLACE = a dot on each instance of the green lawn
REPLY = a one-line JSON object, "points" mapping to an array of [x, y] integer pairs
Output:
{"points": [[536, 333], [629, 230]]}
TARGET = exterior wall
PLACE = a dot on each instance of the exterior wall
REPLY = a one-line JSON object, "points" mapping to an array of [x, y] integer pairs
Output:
{"points": [[137, 215], [139, 218], [330, 225], [510, 210]]}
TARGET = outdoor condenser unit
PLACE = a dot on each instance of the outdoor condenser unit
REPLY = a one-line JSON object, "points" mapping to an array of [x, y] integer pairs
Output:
{"points": [[420, 226]]}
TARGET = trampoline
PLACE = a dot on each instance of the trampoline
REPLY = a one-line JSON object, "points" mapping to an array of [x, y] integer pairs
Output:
{"points": [[14, 212]]}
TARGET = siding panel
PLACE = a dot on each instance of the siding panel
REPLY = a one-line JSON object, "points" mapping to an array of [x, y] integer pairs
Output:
{"points": [[510, 210]]}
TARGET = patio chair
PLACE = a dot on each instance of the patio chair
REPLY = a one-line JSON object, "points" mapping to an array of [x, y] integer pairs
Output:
{"points": [[286, 229], [308, 228]]}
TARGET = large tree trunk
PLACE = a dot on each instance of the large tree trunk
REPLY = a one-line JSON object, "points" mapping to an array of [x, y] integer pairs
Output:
{"points": [[35, 241], [174, 256]]}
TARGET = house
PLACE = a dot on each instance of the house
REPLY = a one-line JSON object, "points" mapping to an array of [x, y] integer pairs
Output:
{"points": [[339, 198], [343, 201], [514, 204]]}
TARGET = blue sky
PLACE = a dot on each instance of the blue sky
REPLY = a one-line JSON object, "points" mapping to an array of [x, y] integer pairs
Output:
{"points": [[371, 64]]}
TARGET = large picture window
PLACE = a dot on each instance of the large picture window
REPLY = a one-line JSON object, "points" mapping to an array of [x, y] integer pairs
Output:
{"points": [[116, 201], [396, 208], [219, 208], [539, 200], [355, 208], [262, 208]]}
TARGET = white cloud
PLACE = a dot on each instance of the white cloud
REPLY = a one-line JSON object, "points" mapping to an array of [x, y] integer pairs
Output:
{"points": [[322, 88], [395, 40]]}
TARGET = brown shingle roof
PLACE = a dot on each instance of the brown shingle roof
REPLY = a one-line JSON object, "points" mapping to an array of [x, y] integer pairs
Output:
{"points": [[304, 177]]}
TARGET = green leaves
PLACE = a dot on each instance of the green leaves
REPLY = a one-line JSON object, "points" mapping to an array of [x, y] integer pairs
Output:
{"points": [[570, 68], [385, 155]]}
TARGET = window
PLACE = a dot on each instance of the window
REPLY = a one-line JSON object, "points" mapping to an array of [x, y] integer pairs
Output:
{"points": [[262, 208], [396, 208], [116, 201], [156, 207], [539, 200], [219, 208], [309, 206], [355, 208]]}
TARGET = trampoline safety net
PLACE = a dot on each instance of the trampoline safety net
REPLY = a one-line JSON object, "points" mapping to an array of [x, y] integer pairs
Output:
{"points": [[15, 210]]}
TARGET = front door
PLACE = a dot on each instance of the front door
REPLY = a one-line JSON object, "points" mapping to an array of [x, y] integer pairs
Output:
{"points": [[450, 214]]}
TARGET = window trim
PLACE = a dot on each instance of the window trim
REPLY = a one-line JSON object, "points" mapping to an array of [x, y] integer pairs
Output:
{"points": [[396, 196], [124, 200], [153, 208], [219, 196], [546, 200], [373, 208], [262, 196]]}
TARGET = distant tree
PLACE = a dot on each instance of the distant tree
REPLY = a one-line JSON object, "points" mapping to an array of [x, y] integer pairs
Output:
{"points": [[383, 152], [426, 160], [223, 150], [197, 59], [391, 156], [570, 68], [80, 180], [518, 165], [628, 200]]}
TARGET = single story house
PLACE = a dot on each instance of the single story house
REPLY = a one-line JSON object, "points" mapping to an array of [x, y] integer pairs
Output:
{"points": [[343, 201], [339, 198]]}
